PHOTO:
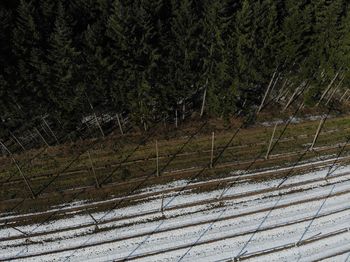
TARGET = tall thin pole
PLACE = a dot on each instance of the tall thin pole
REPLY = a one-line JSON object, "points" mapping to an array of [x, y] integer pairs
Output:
{"points": [[335, 89], [271, 140], [53, 134], [292, 97], [317, 133], [157, 158], [343, 96], [203, 102], [37, 130], [267, 90], [98, 123], [212, 149], [93, 170], [99, 126], [162, 205], [119, 124], [183, 110], [176, 118], [328, 88], [18, 142]]}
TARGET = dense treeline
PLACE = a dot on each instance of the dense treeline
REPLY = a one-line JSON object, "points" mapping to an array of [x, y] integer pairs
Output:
{"points": [[145, 58]]}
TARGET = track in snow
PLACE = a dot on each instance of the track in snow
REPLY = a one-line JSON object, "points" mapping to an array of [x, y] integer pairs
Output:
{"points": [[246, 208]]}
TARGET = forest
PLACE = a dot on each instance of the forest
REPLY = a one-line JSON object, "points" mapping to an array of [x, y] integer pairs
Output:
{"points": [[147, 60]]}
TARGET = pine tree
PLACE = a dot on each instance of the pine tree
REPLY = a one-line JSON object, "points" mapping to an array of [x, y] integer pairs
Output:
{"points": [[183, 47], [66, 90], [29, 55], [215, 78], [327, 28], [120, 31], [343, 53], [96, 67], [133, 29], [248, 76]]}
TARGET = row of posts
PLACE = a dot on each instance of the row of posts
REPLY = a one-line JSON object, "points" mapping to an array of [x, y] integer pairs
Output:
{"points": [[268, 152], [211, 164]]}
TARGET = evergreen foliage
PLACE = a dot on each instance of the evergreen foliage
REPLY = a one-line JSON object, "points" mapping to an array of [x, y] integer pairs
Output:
{"points": [[146, 59]]}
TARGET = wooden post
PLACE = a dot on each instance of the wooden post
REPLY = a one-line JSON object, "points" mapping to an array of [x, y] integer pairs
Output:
{"points": [[285, 94], [144, 123], [291, 99], [99, 126], [93, 170], [331, 96], [20, 171], [98, 123], [343, 96], [15, 138], [212, 150], [347, 99], [41, 137], [44, 129], [203, 102], [176, 118], [162, 205], [335, 89], [328, 88], [183, 110], [276, 81], [53, 134], [3, 151], [317, 133], [95, 221], [267, 91], [119, 124], [271, 140], [157, 158], [282, 90]]}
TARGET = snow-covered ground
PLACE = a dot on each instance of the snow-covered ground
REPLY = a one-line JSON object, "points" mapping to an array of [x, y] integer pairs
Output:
{"points": [[307, 219]]}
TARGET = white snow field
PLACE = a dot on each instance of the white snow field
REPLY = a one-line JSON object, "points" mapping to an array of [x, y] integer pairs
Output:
{"points": [[306, 219]]}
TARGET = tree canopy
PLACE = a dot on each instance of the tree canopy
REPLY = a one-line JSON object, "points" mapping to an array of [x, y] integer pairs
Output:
{"points": [[146, 58]]}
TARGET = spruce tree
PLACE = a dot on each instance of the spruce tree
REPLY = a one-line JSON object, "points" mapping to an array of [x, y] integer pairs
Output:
{"points": [[183, 61], [327, 28], [344, 51], [248, 76], [65, 88], [215, 78], [29, 54], [133, 29], [96, 66]]}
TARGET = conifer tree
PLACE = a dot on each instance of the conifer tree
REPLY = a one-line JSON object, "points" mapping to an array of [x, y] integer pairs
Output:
{"points": [[133, 31], [344, 52], [215, 78], [96, 67], [183, 70], [327, 35], [248, 76], [29, 55], [66, 90]]}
